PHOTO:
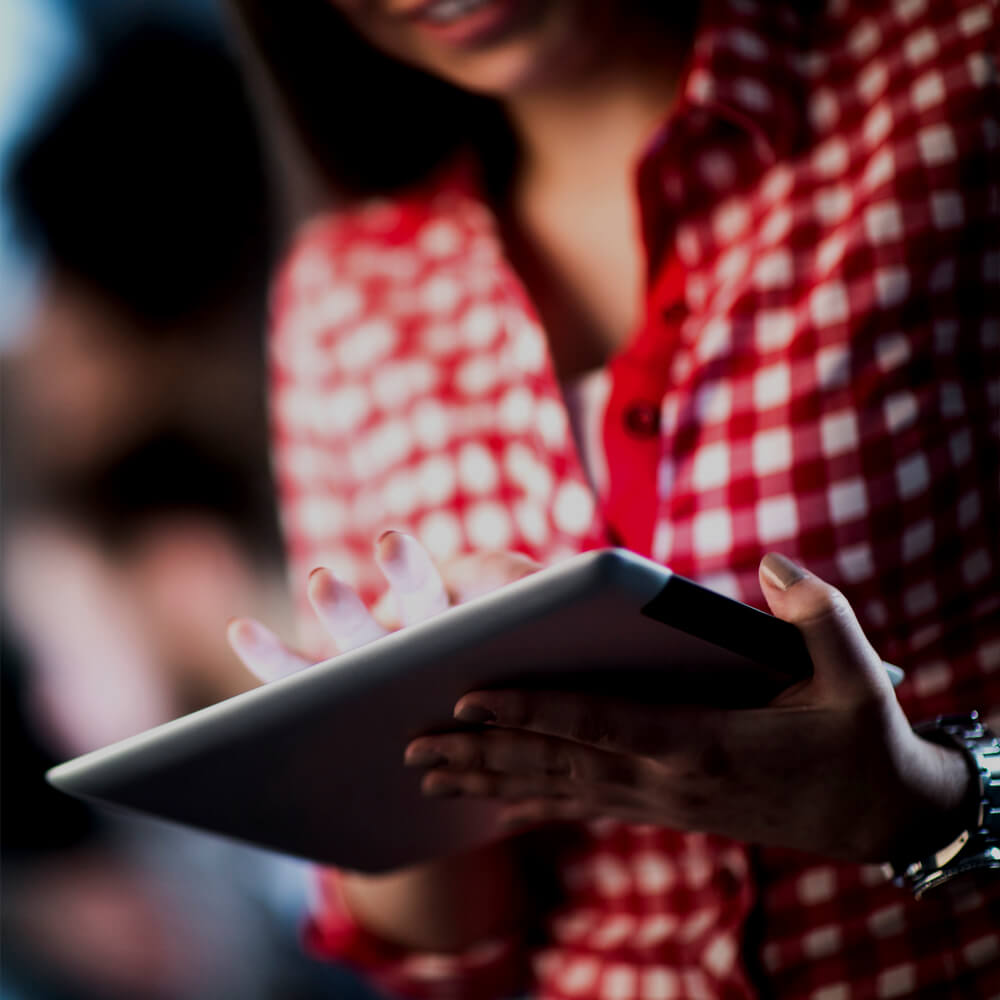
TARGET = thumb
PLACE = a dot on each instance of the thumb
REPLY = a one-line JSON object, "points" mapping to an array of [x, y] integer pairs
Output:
{"points": [[845, 661]]}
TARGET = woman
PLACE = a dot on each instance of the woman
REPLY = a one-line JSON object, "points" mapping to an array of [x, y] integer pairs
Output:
{"points": [[688, 283]]}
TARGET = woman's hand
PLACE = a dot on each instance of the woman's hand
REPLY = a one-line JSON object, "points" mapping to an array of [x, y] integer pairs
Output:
{"points": [[831, 766], [418, 590], [454, 902]]}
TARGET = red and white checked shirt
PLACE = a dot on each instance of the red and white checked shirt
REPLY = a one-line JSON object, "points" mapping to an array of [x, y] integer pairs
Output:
{"points": [[818, 372]]}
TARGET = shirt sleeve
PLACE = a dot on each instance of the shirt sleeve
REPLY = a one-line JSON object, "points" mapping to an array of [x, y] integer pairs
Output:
{"points": [[490, 970]]}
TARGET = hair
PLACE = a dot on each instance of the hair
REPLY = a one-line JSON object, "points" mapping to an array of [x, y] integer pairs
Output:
{"points": [[369, 123]]}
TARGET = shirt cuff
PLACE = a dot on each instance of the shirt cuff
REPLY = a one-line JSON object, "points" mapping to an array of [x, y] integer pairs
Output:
{"points": [[489, 970]]}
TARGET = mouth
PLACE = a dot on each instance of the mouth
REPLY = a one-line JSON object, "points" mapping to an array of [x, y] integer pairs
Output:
{"points": [[448, 11], [467, 23]]}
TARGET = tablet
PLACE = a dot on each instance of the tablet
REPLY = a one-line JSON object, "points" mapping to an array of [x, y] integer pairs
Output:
{"points": [[311, 765]]}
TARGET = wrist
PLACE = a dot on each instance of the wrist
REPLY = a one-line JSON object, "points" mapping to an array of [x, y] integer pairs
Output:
{"points": [[446, 905], [975, 848], [949, 800], [925, 798]]}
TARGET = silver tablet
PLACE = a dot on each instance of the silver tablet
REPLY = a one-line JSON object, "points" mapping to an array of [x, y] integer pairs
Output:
{"points": [[311, 765]]}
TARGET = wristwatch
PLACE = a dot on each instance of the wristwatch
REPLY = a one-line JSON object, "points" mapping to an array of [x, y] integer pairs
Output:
{"points": [[978, 848]]}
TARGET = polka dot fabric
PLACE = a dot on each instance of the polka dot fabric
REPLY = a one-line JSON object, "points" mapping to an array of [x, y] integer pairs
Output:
{"points": [[412, 388], [822, 219]]}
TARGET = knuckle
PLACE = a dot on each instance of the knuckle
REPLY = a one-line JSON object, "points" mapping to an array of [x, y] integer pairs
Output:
{"points": [[477, 784], [569, 808], [524, 812], [464, 751], [821, 602], [680, 761]]}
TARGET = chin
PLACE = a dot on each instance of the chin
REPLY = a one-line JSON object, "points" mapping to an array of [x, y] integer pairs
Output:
{"points": [[541, 54], [500, 74]]}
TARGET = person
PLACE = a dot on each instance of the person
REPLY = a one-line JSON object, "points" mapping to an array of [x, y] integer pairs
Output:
{"points": [[123, 475], [135, 512], [126, 299], [714, 284]]}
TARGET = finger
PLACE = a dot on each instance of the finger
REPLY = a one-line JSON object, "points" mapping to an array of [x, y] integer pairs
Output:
{"points": [[486, 785], [341, 612], [622, 727], [533, 812], [843, 658], [261, 651], [420, 593], [517, 753], [473, 575], [386, 612], [578, 798]]}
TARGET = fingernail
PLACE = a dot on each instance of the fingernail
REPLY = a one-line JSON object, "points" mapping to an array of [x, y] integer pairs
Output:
{"points": [[475, 713], [404, 558], [250, 633], [326, 591], [780, 571], [234, 632]]}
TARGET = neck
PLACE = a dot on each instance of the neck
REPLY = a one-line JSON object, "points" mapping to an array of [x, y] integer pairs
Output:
{"points": [[597, 121]]}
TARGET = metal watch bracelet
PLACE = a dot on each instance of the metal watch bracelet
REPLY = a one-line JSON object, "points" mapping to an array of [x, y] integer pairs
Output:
{"points": [[978, 848]]}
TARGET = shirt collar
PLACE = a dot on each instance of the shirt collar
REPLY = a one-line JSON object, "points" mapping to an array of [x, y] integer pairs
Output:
{"points": [[747, 69], [744, 90]]}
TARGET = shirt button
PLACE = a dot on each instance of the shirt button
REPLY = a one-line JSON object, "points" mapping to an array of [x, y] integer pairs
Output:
{"points": [[676, 312], [642, 419]]}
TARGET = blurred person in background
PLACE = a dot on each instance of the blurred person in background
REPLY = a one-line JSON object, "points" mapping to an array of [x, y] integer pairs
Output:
{"points": [[703, 281], [147, 317], [137, 514]]}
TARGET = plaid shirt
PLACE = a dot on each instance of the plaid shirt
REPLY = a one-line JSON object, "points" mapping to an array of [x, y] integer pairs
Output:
{"points": [[818, 372]]}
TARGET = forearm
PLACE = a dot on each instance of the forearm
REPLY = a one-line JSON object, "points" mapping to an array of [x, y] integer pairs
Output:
{"points": [[443, 906]]}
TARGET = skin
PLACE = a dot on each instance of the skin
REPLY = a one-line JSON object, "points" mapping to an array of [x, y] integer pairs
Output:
{"points": [[447, 904], [553, 43], [584, 83], [748, 774]]}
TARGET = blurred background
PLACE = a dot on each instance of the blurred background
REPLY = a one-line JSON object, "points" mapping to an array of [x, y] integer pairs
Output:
{"points": [[135, 236]]}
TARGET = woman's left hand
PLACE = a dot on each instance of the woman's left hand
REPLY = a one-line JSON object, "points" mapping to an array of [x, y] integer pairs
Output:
{"points": [[831, 766]]}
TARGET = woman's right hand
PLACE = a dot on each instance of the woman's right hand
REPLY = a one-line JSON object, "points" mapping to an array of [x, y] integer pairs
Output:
{"points": [[451, 903], [415, 587], [418, 590]]}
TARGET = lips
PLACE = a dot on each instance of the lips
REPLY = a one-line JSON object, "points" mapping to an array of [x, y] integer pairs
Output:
{"points": [[448, 11], [468, 23]]}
